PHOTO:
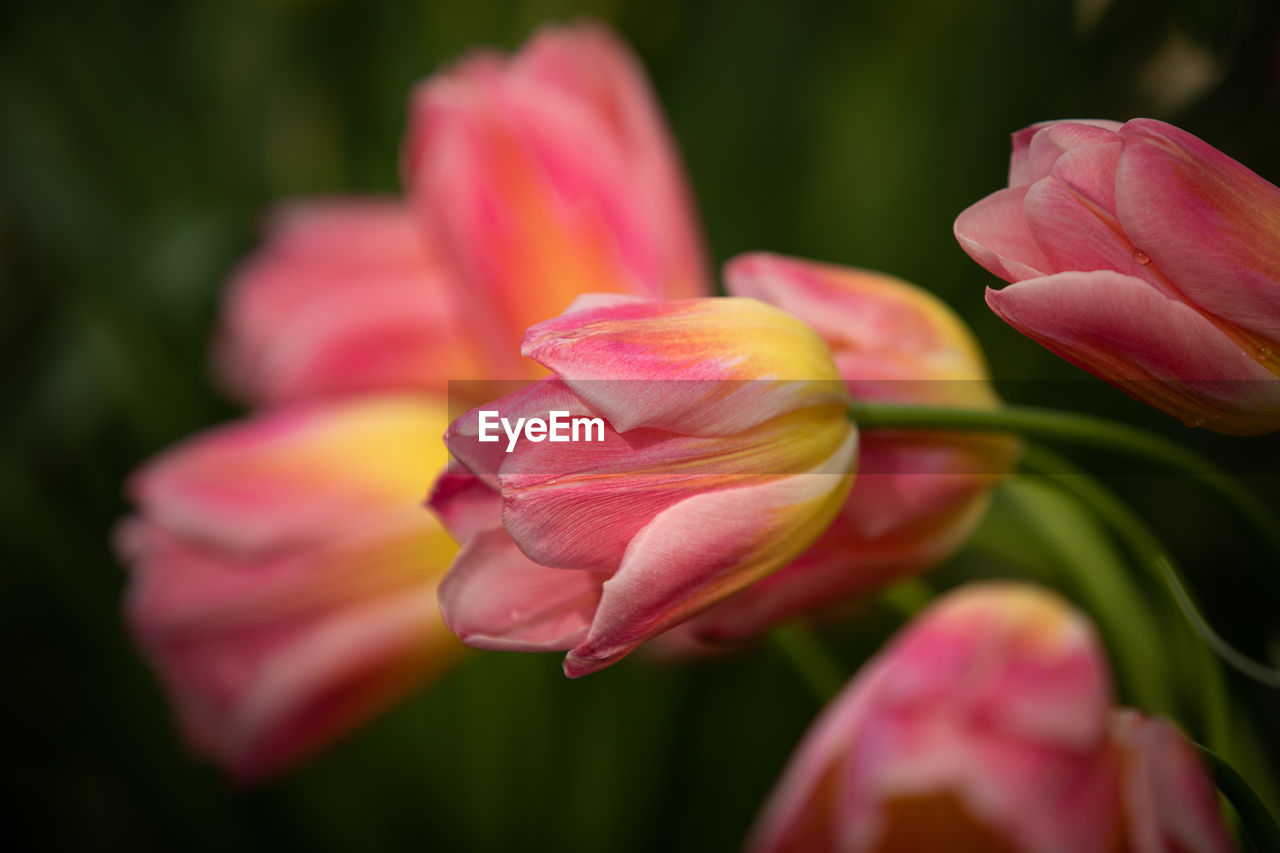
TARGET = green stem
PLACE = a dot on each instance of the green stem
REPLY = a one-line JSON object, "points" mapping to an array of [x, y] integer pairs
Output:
{"points": [[1084, 431], [1259, 824], [812, 661]]}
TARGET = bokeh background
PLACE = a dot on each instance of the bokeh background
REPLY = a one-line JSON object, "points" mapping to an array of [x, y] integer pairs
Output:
{"points": [[140, 142]]}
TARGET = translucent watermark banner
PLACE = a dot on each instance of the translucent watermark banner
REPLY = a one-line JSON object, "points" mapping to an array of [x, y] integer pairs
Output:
{"points": [[773, 427]]}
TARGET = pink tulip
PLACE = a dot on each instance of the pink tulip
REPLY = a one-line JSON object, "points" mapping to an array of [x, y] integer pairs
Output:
{"points": [[283, 601], [1145, 256], [345, 296], [283, 575], [986, 725], [726, 451], [917, 496], [550, 174]]}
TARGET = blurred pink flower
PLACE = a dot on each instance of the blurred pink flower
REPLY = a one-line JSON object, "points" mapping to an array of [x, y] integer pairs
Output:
{"points": [[1145, 256], [917, 496], [726, 451], [987, 725], [345, 296], [283, 575]]}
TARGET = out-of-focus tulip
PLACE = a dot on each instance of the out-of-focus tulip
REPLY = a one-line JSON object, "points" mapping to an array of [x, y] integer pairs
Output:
{"points": [[986, 725], [283, 575], [547, 175], [1145, 256], [345, 296], [1169, 801], [726, 451], [918, 495]]}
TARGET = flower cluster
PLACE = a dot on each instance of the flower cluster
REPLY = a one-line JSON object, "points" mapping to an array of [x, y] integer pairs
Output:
{"points": [[284, 573], [287, 582]]}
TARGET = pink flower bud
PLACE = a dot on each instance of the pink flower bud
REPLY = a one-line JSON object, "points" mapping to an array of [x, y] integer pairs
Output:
{"points": [[1145, 256]]}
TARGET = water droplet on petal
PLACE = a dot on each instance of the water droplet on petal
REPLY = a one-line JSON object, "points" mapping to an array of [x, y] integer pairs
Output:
{"points": [[1141, 257]]}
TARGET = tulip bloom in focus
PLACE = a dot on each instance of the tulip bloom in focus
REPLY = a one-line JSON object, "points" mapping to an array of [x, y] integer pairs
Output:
{"points": [[547, 175], [1145, 256], [918, 495], [987, 726], [727, 450], [283, 575]]}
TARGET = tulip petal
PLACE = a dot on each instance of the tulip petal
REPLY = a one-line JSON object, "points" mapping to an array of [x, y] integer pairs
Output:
{"points": [[1036, 148], [1170, 802], [1077, 235], [549, 175], [1208, 223], [578, 505], [344, 296], [705, 548], [1090, 173], [1154, 347], [928, 517], [994, 233], [465, 503], [694, 367], [889, 338], [496, 598], [486, 458], [649, 201], [270, 657], [364, 660], [295, 474], [1050, 141]]}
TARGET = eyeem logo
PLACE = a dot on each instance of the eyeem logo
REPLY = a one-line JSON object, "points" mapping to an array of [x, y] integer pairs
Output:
{"points": [[560, 427]]}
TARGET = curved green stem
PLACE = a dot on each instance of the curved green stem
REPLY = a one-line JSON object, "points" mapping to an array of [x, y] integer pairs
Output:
{"points": [[1149, 551], [1259, 824], [1084, 431]]}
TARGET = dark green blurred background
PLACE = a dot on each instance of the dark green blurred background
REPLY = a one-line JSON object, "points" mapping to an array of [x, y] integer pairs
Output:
{"points": [[139, 144]]}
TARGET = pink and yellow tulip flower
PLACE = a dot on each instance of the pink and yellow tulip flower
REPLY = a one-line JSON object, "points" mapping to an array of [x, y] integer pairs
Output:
{"points": [[547, 175], [917, 496], [283, 575], [987, 724], [725, 451], [1145, 256]]}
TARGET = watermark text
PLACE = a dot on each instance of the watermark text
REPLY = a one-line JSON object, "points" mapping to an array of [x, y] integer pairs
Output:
{"points": [[558, 427]]}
